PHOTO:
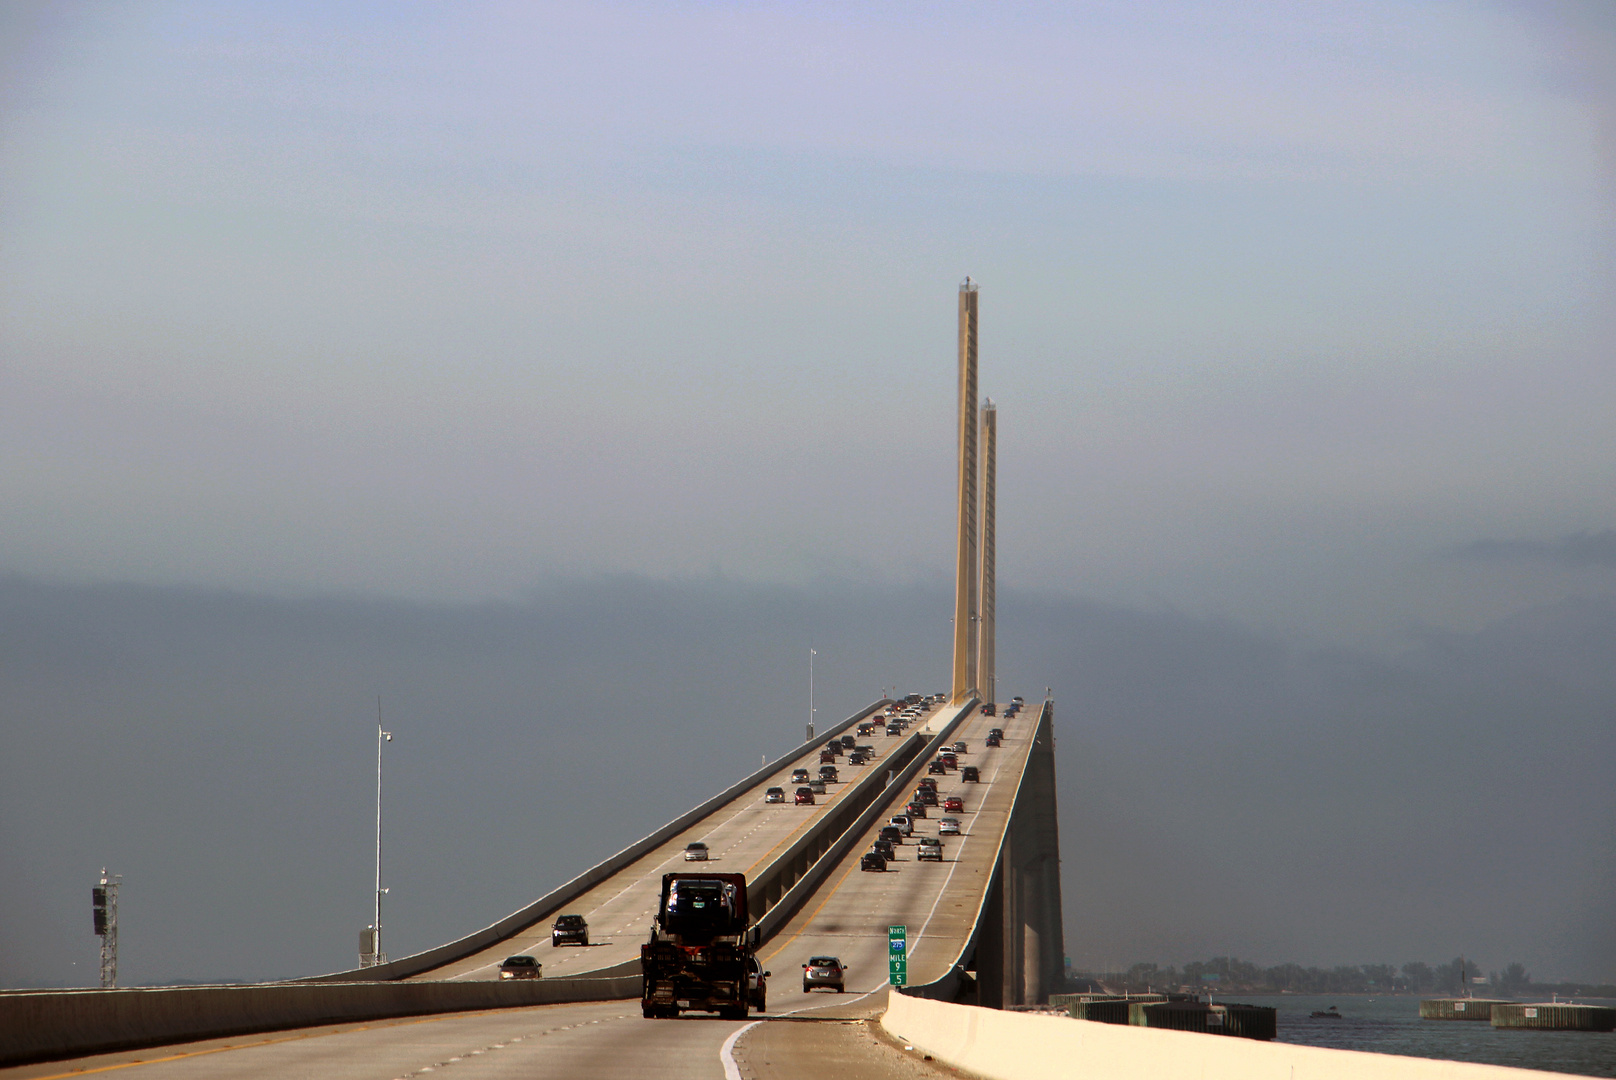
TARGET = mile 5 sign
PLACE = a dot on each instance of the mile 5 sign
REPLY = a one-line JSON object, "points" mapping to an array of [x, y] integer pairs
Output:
{"points": [[897, 955]]}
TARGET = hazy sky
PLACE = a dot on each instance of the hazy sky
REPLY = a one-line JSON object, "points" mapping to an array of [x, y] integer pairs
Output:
{"points": [[534, 332], [1298, 315]]}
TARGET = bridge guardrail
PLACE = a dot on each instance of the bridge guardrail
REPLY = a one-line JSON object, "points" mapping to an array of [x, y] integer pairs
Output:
{"points": [[41, 1025], [520, 920]]}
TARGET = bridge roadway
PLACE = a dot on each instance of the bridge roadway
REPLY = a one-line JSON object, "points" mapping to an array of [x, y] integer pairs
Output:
{"points": [[848, 918], [742, 837]]}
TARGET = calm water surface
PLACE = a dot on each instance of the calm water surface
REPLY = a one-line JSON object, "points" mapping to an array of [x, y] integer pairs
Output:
{"points": [[1392, 1025]]}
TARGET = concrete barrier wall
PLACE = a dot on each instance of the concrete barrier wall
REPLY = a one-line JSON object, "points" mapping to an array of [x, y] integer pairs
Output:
{"points": [[1026, 1046], [520, 920], [39, 1026]]}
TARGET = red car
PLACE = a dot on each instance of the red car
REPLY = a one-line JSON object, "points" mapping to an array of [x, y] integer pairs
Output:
{"points": [[954, 802], [805, 796]]}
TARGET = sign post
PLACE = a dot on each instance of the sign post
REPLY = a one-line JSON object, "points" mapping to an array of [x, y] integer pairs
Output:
{"points": [[898, 955]]}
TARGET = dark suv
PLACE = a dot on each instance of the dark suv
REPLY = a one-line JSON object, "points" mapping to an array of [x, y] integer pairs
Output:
{"points": [[569, 928]]}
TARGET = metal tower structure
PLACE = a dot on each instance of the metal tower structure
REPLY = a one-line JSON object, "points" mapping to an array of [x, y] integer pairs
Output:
{"points": [[984, 644], [104, 901], [966, 566]]}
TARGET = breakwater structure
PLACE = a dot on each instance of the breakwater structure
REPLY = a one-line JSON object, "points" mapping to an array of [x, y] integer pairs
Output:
{"points": [[1463, 1008], [1553, 1016]]}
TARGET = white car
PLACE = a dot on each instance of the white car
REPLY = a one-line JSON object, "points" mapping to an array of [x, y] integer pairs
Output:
{"points": [[948, 826], [695, 851], [904, 823]]}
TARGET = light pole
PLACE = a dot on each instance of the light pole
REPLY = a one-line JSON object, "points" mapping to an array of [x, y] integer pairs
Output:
{"points": [[811, 654], [379, 957]]}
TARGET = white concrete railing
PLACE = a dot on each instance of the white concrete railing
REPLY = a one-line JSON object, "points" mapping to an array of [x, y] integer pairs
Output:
{"points": [[1026, 1046]]}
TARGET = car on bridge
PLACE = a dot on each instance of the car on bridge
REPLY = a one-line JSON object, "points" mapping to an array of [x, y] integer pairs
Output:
{"points": [[915, 810], [569, 928], [884, 847], [930, 850], [805, 796], [848, 742], [858, 757], [988, 708], [959, 746], [826, 971], [948, 826], [867, 729], [996, 733], [904, 823], [949, 759], [817, 785], [757, 984], [954, 802], [829, 774], [799, 776], [872, 860], [827, 757], [927, 782], [775, 794], [695, 851], [971, 775], [993, 740], [892, 834], [520, 967], [926, 795], [938, 767], [894, 729]]}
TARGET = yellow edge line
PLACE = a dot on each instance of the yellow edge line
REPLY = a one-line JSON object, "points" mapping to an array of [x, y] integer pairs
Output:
{"points": [[809, 921]]}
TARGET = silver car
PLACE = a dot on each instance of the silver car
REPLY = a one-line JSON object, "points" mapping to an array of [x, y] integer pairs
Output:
{"points": [[823, 971], [948, 826], [695, 851]]}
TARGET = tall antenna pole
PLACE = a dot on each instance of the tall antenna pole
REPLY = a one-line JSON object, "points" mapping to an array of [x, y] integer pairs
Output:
{"points": [[105, 903], [811, 654], [378, 956]]}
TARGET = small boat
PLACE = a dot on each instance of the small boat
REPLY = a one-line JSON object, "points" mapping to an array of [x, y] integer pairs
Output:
{"points": [[1332, 1013]]}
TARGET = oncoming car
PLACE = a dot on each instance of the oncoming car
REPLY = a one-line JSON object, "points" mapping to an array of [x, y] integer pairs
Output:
{"points": [[520, 967], [774, 794], [799, 776], [823, 971], [569, 928], [695, 851]]}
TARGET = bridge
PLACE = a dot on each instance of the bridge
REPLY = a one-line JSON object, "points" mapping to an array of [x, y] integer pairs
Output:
{"points": [[983, 928]]}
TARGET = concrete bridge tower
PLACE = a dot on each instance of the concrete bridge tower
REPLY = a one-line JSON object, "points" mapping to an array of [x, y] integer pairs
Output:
{"points": [[988, 447], [966, 566]]}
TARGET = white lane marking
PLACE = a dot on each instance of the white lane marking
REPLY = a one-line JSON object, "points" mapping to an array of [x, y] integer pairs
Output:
{"points": [[726, 1055]]}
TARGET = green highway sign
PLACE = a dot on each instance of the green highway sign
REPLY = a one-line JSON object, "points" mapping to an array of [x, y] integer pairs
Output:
{"points": [[898, 955]]}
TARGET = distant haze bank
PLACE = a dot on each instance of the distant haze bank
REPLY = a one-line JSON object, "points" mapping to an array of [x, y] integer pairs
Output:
{"points": [[1219, 788]]}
